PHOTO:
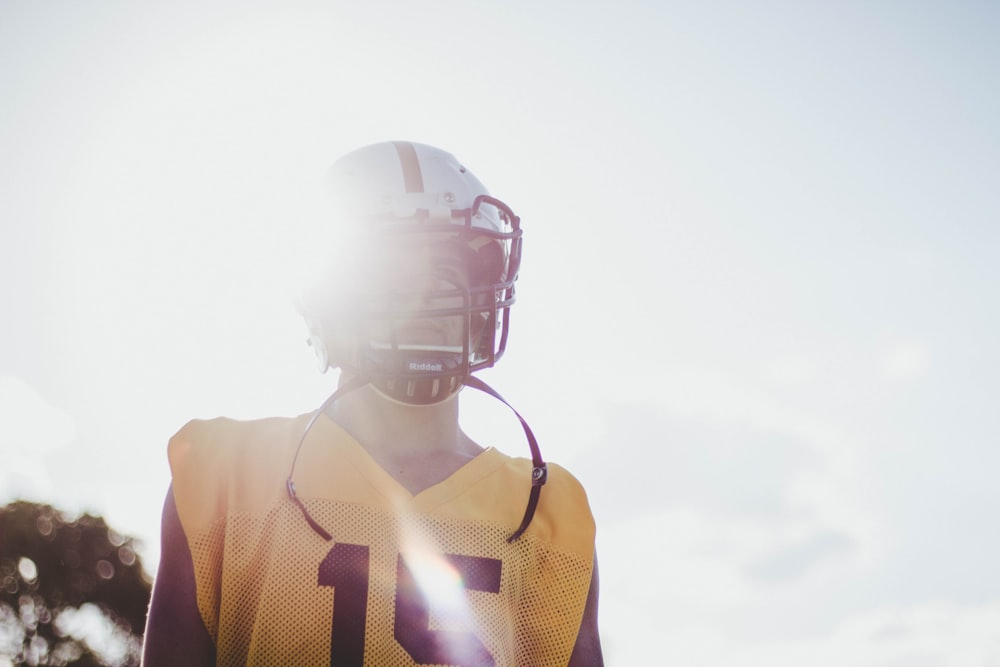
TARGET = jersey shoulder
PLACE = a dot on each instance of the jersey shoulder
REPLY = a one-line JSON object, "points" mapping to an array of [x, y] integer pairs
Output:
{"points": [[563, 516], [221, 465]]}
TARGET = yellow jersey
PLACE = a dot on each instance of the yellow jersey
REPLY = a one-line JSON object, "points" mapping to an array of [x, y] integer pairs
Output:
{"points": [[425, 579]]}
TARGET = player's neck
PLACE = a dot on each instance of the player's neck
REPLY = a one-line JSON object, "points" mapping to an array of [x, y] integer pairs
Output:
{"points": [[418, 446], [387, 427]]}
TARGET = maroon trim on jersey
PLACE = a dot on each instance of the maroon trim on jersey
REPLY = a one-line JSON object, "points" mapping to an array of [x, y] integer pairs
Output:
{"points": [[413, 180]]}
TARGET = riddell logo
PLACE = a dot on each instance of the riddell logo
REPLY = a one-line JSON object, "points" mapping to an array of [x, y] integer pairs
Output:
{"points": [[425, 366]]}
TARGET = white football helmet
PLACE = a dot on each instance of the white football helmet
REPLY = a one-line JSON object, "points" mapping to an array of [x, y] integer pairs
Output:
{"points": [[421, 293]]}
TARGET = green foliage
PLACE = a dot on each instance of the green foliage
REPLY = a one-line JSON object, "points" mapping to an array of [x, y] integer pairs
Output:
{"points": [[72, 590]]}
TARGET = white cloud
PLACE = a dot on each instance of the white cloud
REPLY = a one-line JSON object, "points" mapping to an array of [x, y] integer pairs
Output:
{"points": [[836, 490], [929, 633], [694, 566], [680, 562], [905, 360], [28, 422], [681, 604], [790, 371], [30, 427]]}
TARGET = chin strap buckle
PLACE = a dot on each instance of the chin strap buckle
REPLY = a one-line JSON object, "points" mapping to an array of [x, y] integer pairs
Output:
{"points": [[540, 475]]}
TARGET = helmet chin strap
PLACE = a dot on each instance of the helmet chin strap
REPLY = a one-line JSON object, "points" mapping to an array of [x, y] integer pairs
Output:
{"points": [[539, 470], [354, 383]]}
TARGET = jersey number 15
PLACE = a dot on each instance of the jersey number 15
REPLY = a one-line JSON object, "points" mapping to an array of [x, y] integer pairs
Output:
{"points": [[345, 568]]}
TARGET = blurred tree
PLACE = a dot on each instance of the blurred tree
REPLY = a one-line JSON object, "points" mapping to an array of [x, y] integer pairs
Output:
{"points": [[72, 590]]}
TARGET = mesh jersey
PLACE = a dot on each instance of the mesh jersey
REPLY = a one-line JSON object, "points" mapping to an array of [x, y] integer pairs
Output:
{"points": [[425, 579]]}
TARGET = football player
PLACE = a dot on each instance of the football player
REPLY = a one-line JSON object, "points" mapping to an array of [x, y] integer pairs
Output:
{"points": [[374, 531]]}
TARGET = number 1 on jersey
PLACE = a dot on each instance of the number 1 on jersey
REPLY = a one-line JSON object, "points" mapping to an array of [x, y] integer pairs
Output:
{"points": [[345, 568]]}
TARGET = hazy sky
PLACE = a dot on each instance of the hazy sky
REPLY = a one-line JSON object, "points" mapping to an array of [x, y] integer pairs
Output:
{"points": [[757, 314]]}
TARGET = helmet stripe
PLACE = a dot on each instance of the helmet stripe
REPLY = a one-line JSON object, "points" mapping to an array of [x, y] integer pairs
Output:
{"points": [[412, 178]]}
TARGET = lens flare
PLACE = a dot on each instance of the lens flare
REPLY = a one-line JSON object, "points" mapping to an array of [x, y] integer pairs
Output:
{"points": [[439, 583]]}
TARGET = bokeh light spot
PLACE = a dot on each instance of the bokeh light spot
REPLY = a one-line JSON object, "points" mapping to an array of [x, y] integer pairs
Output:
{"points": [[27, 569]]}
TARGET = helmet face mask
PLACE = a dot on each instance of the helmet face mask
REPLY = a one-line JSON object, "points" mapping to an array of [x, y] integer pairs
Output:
{"points": [[421, 298]]}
